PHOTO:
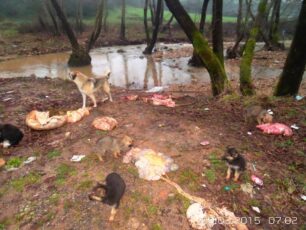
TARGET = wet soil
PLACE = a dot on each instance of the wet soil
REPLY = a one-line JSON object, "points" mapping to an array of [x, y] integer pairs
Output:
{"points": [[52, 192]]}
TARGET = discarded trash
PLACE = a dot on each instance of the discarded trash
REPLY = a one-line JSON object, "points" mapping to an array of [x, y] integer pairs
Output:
{"points": [[270, 112], [41, 121], [7, 99], [2, 162], [77, 158], [150, 164], [105, 123], [132, 97], [203, 185], [294, 126], [247, 188], [254, 166], [158, 99], [67, 134], [76, 115], [204, 143], [227, 188], [206, 109], [257, 180], [156, 89], [256, 209], [249, 133], [303, 197], [298, 97], [276, 128], [29, 160], [198, 218]]}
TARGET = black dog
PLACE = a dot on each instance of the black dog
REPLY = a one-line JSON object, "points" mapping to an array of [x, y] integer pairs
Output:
{"points": [[235, 162], [10, 135], [114, 190]]}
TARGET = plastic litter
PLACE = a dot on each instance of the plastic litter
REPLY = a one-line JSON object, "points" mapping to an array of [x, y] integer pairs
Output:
{"points": [[249, 133], [204, 143], [298, 97], [303, 197], [29, 160], [270, 112], [227, 188], [105, 123], [198, 218], [77, 158], [156, 89], [294, 126], [276, 128], [150, 164], [257, 180], [256, 209], [206, 109]]}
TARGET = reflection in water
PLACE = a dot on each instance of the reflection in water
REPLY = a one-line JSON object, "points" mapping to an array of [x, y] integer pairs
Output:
{"points": [[150, 70], [129, 69]]}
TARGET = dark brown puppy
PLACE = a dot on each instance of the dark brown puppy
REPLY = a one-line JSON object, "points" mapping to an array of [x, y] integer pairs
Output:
{"points": [[114, 190], [235, 162]]}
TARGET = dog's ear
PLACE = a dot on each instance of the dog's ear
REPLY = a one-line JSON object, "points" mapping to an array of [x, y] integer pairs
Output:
{"points": [[72, 75]]}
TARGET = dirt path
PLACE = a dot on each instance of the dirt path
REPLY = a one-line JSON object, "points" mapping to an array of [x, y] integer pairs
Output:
{"points": [[52, 192]]}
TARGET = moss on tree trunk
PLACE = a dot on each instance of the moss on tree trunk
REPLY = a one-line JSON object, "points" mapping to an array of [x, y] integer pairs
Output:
{"points": [[246, 86]]}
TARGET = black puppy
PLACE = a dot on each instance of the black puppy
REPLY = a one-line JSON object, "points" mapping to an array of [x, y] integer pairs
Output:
{"points": [[114, 190], [10, 135], [235, 162]]}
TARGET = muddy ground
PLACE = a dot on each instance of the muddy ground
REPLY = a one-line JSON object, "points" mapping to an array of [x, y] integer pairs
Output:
{"points": [[52, 192]]}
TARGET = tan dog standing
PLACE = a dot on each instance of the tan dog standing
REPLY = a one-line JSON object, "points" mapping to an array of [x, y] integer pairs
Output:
{"points": [[88, 86]]}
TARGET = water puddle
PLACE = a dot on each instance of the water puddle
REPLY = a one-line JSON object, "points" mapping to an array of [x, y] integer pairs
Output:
{"points": [[129, 67]]}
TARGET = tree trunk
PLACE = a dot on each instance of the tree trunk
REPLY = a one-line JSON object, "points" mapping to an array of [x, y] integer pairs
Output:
{"points": [[232, 52], [274, 26], [216, 70], [105, 16], [203, 16], [79, 17], [152, 11], [98, 25], [217, 30], [53, 19], [167, 26], [246, 86], [145, 21], [149, 48], [294, 68], [195, 60], [79, 55], [122, 28]]}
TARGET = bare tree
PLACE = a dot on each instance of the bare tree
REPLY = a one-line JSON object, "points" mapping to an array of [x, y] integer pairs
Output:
{"points": [[122, 28], [216, 71], [53, 19], [145, 21], [217, 29], [274, 26], [292, 75], [150, 46], [79, 17], [105, 28], [246, 86], [203, 15], [80, 55]]}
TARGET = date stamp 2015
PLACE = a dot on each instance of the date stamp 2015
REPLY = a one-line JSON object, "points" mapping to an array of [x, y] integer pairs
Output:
{"points": [[273, 220]]}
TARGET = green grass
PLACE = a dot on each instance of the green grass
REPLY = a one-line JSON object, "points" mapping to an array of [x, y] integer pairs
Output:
{"points": [[184, 202], [284, 144], [14, 162], [189, 178], [53, 153], [63, 171], [19, 183], [156, 227], [85, 185], [210, 174]]}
